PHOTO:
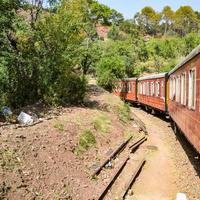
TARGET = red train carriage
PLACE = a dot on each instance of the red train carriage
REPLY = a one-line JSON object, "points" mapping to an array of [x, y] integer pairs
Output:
{"points": [[120, 88], [131, 94], [152, 90], [184, 96], [126, 89]]}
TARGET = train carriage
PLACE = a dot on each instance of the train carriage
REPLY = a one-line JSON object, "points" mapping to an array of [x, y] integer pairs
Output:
{"points": [[126, 89], [184, 96], [152, 91], [131, 92], [120, 88]]}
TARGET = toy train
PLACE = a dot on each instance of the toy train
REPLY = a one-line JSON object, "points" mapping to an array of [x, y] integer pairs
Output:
{"points": [[176, 93]]}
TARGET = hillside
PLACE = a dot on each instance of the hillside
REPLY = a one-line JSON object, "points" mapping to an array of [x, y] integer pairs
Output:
{"points": [[55, 159]]}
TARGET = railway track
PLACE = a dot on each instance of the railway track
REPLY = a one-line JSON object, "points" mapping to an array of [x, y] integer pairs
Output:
{"points": [[127, 166]]}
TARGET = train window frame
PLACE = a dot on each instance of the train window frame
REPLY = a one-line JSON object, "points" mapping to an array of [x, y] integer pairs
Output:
{"points": [[153, 88], [143, 88], [157, 88], [192, 98], [171, 88], [147, 89], [178, 89], [183, 88], [129, 87], [162, 90], [174, 89]]}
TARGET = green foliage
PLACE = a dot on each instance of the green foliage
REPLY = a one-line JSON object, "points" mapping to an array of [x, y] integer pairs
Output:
{"points": [[86, 140], [168, 22], [109, 69], [114, 33], [102, 123], [9, 160], [164, 54], [102, 13], [124, 113], [59, 126]]}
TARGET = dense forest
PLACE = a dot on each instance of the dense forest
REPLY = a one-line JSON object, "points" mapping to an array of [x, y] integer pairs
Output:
{"points": [[48, 48]]}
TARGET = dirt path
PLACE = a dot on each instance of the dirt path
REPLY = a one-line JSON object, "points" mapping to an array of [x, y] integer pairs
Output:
{"points": [[158, 178], [172, 165]]}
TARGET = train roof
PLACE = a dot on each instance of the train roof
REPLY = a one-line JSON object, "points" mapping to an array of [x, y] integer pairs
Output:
{"points": [[154, 76], [127, 79], [193, 53], [130, 79]]}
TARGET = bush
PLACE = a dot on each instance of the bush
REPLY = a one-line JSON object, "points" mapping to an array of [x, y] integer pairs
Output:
{"points": [[102, 123], [124, 113], [86, 140], [69, 89], [110, 69]]}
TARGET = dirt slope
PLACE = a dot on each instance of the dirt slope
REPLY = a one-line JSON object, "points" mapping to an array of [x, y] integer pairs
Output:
{"points": [[54, 159]]}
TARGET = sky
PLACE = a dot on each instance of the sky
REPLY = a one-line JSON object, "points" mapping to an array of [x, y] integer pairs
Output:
{"points": [[129, 7]]}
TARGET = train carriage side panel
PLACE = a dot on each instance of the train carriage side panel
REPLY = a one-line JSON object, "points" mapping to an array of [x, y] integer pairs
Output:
{"points": [[120, 88], [131, 94], [152, 91], [184, 100]]}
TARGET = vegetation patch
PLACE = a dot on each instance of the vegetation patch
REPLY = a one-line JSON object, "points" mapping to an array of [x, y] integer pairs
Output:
{"points": [[9, 160], [59, 126], [102, 123], [124, 113], [86, 140]]}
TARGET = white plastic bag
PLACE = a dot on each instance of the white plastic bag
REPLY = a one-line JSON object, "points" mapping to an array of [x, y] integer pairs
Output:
{"points": [[24, 118], [181, 196]]}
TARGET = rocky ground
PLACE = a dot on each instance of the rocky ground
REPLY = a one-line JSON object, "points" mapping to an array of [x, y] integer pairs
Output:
{"points": [[55, 158]]}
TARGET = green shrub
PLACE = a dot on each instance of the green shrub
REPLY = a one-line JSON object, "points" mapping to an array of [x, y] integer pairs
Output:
{"points": [[102, 123], [86, 140], [109, 69], [124, 113], [60, 127], [69, 89]]}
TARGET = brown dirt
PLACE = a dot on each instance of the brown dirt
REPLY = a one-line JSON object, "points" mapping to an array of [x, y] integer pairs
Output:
{"points": [[41, 162], [172, 164]]}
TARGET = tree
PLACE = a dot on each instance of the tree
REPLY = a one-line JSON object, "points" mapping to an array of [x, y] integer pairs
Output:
{"points": [[102, 13], [185, 20], [148, 20], [114, 33], [167, 18], [110, 69]]}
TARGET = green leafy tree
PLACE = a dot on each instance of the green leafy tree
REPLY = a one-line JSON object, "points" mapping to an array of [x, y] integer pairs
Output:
{"points": [[109, 69], [167, 18], [114, 33], [148, 20], [185, 20], [102, 13]]}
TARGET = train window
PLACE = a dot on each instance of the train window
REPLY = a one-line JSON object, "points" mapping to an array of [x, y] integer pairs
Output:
{"points": [[178, 89], [143, 88], [174, 88], [183, 89], [128, 87], [140, 88], [152, 89], [147, 88], [192, 88], [171, 88], [162, 89], [157, 89]]}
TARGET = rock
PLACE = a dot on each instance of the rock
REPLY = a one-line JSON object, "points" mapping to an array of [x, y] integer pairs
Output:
{"points": [[130, 192]]}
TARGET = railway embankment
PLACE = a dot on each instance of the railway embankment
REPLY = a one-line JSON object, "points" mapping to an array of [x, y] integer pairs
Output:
{"points": [[55, 159]]}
